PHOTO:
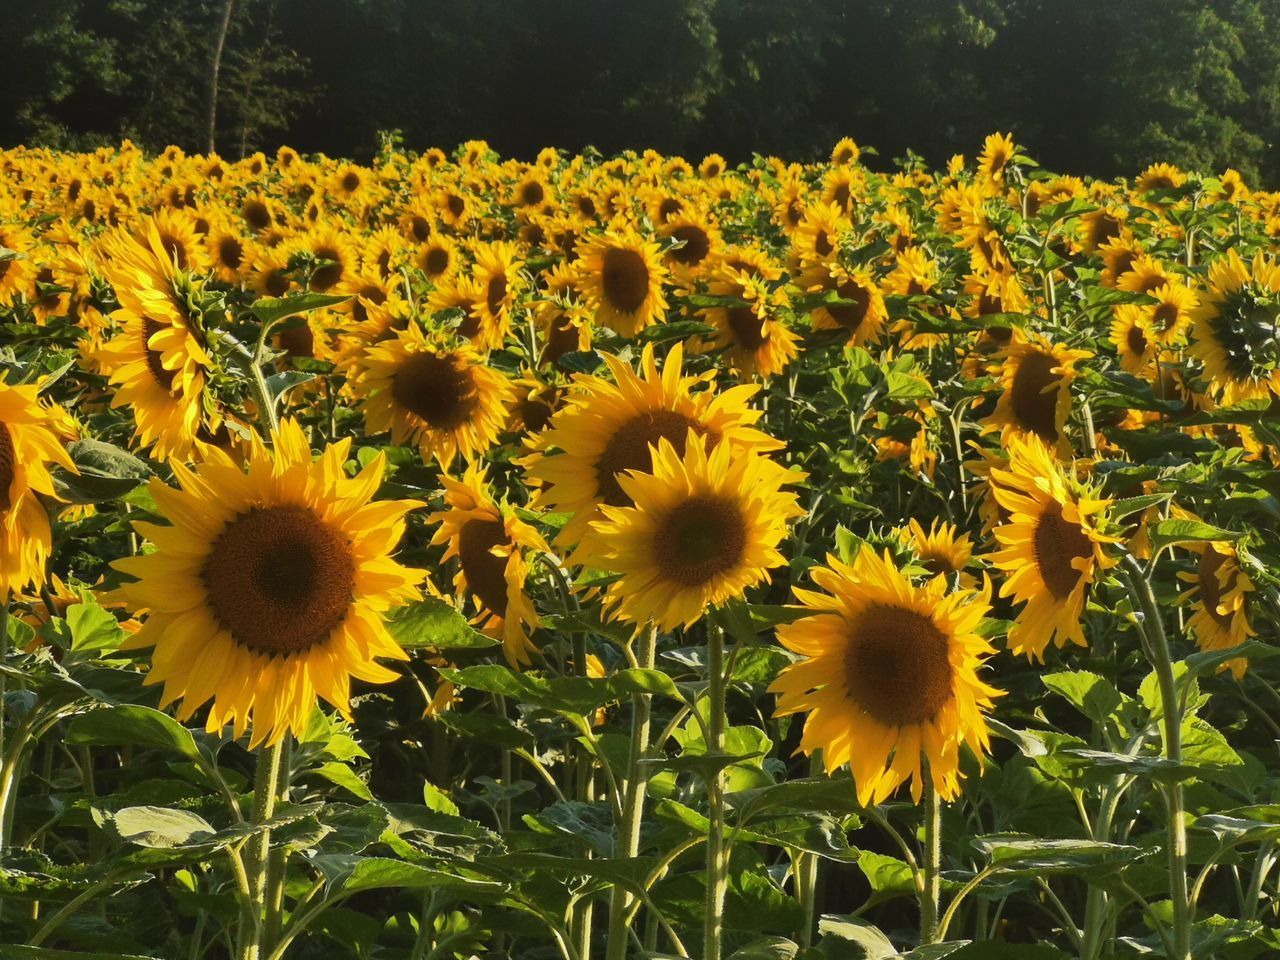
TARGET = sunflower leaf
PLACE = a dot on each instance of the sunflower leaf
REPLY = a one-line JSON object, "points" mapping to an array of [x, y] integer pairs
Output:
{"points": [[435, 623], [132, 725], [1169, 532]]}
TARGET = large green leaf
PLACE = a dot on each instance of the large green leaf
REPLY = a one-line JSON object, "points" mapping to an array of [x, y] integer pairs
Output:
{"points": [[132, 725]]}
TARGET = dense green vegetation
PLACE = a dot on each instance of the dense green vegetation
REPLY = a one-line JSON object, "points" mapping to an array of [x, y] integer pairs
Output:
{"points": [[1089, 85]]}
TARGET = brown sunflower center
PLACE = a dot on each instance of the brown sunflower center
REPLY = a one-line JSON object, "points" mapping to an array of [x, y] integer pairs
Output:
{"points": [[435, 262], [456, 205], [1137, 340], [625, 279], [279, 579], [936, 562], [155, 357], [1164, 316], [748, 329], [8, 466], [174, 248], [850, 315], [629, 449], [231, 252], [351, 182], [1207, 572], [696, 245], [531, 193], [329, 275], [495, 293], [297, 341], [1034, 395], [898, 666], [699, 539], [668, 208], [822, 244], [420, 228], [485, 571], [437, 389], [1056, 543]]}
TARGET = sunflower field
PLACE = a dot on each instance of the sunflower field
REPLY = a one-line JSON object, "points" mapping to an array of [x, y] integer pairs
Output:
{"points": [[614, 557]]}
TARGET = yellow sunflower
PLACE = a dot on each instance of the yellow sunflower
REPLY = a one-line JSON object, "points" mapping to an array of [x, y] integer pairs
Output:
{"points": [[756, 341], [1135, 343], [997, 152], [816, 238], [942, 550], [1035, 399], [269, 586], [888, 675], [1234, 328], [491, 544], [620, 275], [442, 397], [497, 273], [155, 361], [1171, 314], [702, 528], [860, 310], [29, 443], [1051, 547], [606, 428], [1221, 589]]}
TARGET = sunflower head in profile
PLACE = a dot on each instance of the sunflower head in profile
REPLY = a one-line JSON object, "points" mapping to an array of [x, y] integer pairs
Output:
{"points": [[155, 360], [998, 151], [1052, 546], [701, 529], [845, 152], [1219, 587], [1136, 345], [497, 274], [269, 585], [1035, 397], [1234, 329], [492, 546], [620, 276], [1159, 176], [432, 392], [29, 445], [888, 675], [815, 241], [608, 427]]}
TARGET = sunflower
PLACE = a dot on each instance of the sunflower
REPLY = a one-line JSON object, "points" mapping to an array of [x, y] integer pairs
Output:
{"points": [[335, 257], [702, 528], [756, 341], [607, 428], [155, 360], [942, 550], [888, 675], [816, 238], [1102, 225], [1118, 255], [842, 187], [1221, 587], [181, 244], [497, 274], [1159, 176], [697, 241], [437, 258], [620, 275], [997, 152], [1035, 380], [1051, 547], [1144, 275], [845, 152], [270, 585], [442, 397], [491, 545], [231, 253], [1234, 328], [860, 309], [1135, 343], [16, 268], [29, 443]]}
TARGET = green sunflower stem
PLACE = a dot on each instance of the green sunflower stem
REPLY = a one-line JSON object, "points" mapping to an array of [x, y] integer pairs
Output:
{"points": [[717, 869], [1170, 706], [931, 861], [265, 791], [627, 843], [4, 662]]}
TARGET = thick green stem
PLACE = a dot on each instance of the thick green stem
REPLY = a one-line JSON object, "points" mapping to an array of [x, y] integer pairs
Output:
{"points": [[931, 860], [717, 869], [1171, 708], [627, 843], [265, 791], [4, 661]]}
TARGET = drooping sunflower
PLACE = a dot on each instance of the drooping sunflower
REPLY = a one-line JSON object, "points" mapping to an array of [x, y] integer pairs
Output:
{"points": [[1234, 328], [606, 428], [155, 361], [439, 395], [889, 677], [29, 444], [269, 586], [702, 528], [1035, 399], [621, 275], [997, 152], [1051, 546], [858, 308], [492, 546]]}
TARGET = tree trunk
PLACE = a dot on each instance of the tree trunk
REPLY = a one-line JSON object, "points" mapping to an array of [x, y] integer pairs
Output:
{"points": [[214, 68]]}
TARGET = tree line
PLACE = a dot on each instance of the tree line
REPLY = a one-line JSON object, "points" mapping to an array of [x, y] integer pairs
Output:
{"points": [[1089, 86]]}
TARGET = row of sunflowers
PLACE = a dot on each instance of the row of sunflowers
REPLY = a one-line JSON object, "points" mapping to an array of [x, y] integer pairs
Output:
{"points": [[459, 557]]}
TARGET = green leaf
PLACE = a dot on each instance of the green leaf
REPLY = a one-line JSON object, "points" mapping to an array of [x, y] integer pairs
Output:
{"points": [[132, 725], [1131, 505], [341, 775], [1094, 696], [1169, 532], [161, 828], [1032, 856], [999, 950], [271, 310], [770, 948], [579, 695], [437, 800], [840, 935], [435, 623], [18, 952], [888, 876], [1208, 660], [106, 473]]}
